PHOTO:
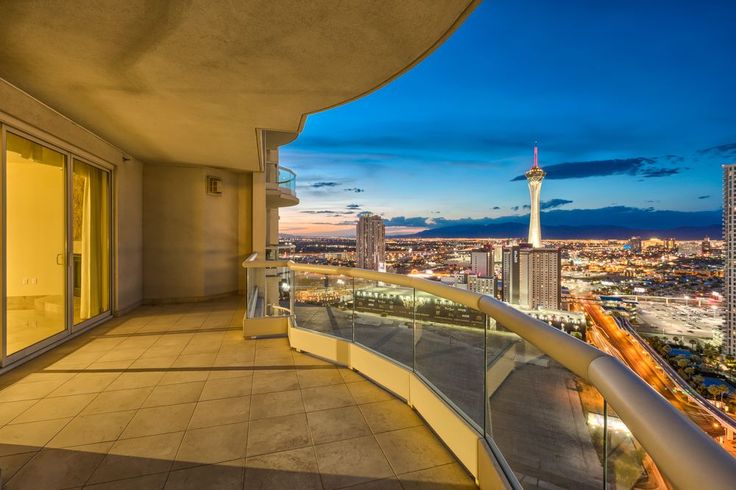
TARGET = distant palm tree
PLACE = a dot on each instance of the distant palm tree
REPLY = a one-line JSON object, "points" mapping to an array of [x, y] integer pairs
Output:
{"points": [[718, 390]]}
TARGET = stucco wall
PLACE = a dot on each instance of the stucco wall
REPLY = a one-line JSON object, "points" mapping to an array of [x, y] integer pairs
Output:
{"points": [[129, 232], [190, 238]]}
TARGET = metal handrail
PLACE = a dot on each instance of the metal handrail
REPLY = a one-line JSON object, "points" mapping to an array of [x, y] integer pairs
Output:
{"points": [[251, 258], [686, 455]]}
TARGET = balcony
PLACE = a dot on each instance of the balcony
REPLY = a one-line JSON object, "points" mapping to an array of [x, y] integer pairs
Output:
{"points": [[281, 187], [519, 403], [173, 396]]}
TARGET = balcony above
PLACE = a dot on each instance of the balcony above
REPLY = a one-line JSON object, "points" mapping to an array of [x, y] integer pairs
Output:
{"points": [[171, 81], [281, 189]]}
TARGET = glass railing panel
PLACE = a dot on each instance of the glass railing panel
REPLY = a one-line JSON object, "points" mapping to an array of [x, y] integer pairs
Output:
{"points": [[287, 179], [448, 352], [268, 291], [627, 464], [537, 414], [324, 303], [384, 319]]}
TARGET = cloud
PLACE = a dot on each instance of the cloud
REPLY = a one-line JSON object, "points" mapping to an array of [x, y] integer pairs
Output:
{"points": [[357, 190], [319, 185], [353, 206], [404, 221], [554, 203], [660, 172], [323, 211], [722, 151], [496, 207], [639, 166], [704, 197]]}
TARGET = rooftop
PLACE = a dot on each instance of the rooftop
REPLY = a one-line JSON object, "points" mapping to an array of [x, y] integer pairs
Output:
{"points": [[173, 396]]}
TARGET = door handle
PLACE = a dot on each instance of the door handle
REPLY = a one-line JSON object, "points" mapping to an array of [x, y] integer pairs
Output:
{"points": [[59, 259]]}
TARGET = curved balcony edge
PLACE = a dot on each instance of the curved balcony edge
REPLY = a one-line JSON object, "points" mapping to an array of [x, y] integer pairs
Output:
{"points": [[687, 456]]}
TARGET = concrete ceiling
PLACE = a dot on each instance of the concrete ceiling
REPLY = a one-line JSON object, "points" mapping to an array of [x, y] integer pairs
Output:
{"points": [[191, 81]]}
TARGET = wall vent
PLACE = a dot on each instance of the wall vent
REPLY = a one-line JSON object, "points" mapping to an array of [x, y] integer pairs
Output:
{"points": [[214, 185]]}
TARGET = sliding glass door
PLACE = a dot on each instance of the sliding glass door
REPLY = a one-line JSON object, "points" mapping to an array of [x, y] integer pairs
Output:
{"points": [[35, 230], [91, 241], [57, 244]]}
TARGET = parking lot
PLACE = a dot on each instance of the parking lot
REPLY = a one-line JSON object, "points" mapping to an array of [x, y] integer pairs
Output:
{"points": [[679, 320]]}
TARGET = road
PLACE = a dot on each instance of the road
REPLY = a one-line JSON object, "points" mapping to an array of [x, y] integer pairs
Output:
{"points": [[608, 336]]}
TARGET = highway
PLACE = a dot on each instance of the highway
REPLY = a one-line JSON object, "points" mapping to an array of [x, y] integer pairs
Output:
{"points": [[606, 334]]}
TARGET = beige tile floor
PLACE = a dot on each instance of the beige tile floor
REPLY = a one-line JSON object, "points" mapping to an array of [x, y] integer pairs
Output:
{"points": [[174, 397]]}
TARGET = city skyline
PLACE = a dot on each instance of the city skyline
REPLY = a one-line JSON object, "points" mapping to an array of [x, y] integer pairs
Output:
{"points": [[472, 111]]}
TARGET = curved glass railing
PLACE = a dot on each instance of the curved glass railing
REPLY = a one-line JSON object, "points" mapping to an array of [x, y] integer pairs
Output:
{"points": [[557, 412], [287, 179]]}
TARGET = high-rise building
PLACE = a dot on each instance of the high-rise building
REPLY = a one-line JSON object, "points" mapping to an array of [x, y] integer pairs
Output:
{"points": [[370, 242], [689, 249], [482, 284], [653, 243], [481, 263], [635, 244], [510, 274], [539, 278], [706, 247], [534, 177], [729, 263]]}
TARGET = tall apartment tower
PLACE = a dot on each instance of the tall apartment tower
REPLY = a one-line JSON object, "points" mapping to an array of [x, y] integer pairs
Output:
{"points": [[481, 263], [371, 242], [539, 278], [729, 264], [534, 177], [510, 274]]}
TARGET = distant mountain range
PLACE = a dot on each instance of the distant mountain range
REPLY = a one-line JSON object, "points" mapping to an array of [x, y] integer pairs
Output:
{"points": [[566, 232], [612, 222]]}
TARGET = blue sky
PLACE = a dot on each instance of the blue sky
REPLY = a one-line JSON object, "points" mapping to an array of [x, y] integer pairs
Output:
{"points": [[632, 103]]}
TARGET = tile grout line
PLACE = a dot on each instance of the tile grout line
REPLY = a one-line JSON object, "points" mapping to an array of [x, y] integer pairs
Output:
{"points": [[45, 446], [250, 406], [117, 439], [189, 422], [309, 429]]}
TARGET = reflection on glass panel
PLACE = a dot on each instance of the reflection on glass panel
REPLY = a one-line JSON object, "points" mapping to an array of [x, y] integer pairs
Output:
{"points": [[449, 351], [384, 316], [537, 414], [91, 241], [628, 465], [268, 292], [35, 281], [324, 303]]}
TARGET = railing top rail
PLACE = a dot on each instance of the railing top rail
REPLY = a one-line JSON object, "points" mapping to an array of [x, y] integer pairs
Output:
{"points": [[685, 454], [250, 259]]}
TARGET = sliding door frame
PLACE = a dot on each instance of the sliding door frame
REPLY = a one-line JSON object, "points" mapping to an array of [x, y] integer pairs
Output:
{"points": [[107, 313], [70, 154]]}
